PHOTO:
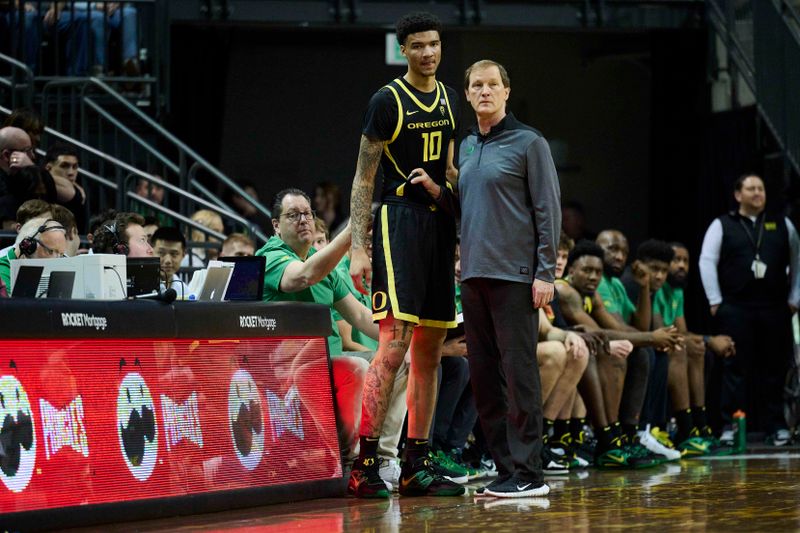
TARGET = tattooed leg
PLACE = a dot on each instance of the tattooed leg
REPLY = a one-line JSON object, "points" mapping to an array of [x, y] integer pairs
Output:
{"points": [[395, 337], [426, 353]]}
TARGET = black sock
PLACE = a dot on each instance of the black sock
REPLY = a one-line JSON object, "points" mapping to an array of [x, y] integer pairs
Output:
{"points": [[368, 450], [576, 426], [604, 438], [416, 448], [560, 428], [699, 416], [547, 429], [630, 431], [683, 420]]}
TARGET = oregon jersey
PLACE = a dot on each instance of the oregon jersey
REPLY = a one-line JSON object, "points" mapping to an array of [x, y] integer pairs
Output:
{"points": [[416, 128]]}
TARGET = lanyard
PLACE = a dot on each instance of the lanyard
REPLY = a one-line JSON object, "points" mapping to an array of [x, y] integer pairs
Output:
{"points": [[756, 244]]}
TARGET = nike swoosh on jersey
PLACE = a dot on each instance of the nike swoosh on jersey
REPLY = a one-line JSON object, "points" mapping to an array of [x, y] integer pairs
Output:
{"points": [[409, 113]]}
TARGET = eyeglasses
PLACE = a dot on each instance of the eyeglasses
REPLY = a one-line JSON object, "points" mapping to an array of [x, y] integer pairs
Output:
{"points": [[295, 216], [52, 252]]}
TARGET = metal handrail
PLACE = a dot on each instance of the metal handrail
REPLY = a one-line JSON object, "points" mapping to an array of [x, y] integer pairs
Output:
{"points": [[179, 145], [154, 179], [738, 52], [19, 65], [85, 83]]}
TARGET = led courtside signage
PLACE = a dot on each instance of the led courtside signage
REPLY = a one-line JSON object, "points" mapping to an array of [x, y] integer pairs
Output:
{"points": [[99, 421]]}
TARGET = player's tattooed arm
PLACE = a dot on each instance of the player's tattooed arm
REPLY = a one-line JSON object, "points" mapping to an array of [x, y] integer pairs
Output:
{"points": [[369, 157]]}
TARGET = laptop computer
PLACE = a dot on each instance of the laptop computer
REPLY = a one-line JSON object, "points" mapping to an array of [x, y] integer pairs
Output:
{"points": [[27, 283], [60, 285], [215, 284], [247, 281], [143, 276]]}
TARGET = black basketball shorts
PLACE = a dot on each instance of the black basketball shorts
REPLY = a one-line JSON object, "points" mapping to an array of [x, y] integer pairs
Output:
{"points": [[413, 263]]}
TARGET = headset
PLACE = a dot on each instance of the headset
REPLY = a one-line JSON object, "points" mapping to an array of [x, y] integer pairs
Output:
{"points": [[117, 246], [28, 245]]}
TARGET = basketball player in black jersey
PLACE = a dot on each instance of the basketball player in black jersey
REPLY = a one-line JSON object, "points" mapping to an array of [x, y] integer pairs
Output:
{"points": [[409, 129]]}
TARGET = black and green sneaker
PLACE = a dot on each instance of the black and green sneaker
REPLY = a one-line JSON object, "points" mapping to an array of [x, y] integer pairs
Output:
{"points": [[365, 480], [423, 478], [448, 467]]}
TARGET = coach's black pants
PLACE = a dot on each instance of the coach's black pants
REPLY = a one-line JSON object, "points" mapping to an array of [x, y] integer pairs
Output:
{"points": [[501, 328], [755, 375]]}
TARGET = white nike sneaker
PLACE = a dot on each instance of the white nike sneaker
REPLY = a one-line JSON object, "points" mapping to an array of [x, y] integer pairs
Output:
{"points": [[518, 488], [647, 440], [390, 473]]}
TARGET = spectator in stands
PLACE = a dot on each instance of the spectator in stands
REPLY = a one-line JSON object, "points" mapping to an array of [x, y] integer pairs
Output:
{"points": [[64, 216], [750, 267], [9, 14], [96, 221], [238, 245], [295, 272], [245, 208], [62, 162], [327, 204], [71, 19], [28, 120], [169, 245], [198, 257], [20, 178], [39, 238], [123, 235], [151, 224], [29, 209], [573, 220], [156, 194]]}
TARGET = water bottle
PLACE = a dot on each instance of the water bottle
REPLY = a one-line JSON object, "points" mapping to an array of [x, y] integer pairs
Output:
{"points": [[739, 432]]}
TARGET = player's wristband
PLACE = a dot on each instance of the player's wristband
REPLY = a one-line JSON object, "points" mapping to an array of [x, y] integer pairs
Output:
{"points": [[706, 339]]}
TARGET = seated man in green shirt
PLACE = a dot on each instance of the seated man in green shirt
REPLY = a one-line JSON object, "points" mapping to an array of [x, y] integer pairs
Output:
{"points": [[38, 238], [633, 317], [688, 378], [581, 305], [296, 272]]}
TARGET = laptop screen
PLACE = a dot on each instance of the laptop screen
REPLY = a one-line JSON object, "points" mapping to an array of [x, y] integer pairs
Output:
{"points": [[215, 284], [143, 275], [27, 283], [247, 281], [60, 285]]}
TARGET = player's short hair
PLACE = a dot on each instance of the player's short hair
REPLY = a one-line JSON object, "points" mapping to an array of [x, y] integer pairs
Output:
{"points": [[678, 244], [583, 248], [277, 203], [32, 208], [739, 183], [321, 227], [168, 234], [65, 217], [113, 231], [486, 63], [565, 242], [416, 22], [59, 149], [240, 238], [655, 250]]}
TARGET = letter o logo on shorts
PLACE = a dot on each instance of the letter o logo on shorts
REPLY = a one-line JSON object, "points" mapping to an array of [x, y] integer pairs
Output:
{"points": [[378, 296]]}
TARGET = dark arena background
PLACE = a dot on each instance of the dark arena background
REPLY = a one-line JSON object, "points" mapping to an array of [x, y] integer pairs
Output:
{"points": [[652, 110]]}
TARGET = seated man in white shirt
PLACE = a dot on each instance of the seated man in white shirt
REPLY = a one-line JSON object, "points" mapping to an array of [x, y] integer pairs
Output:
{"points": [[169, 245]]}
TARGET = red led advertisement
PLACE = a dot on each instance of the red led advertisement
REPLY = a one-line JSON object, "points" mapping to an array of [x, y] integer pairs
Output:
{"points": [[100, 421]]}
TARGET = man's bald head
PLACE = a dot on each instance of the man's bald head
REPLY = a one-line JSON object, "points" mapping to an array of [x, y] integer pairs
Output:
{"points": [[615, 248], [12, 140]]}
